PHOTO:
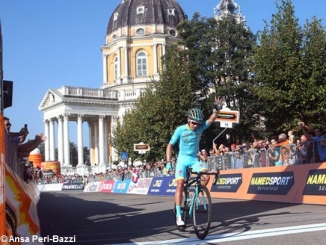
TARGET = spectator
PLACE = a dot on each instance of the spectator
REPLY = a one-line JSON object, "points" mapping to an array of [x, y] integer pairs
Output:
{"points": [[16, 137], [275, 153], [291, 137], [284, 145], [233, 156], [23, 148], [317, 138], [202, 155]]}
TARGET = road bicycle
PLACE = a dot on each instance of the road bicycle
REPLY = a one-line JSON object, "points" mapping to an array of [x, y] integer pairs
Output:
{"points": [[197, 203]]}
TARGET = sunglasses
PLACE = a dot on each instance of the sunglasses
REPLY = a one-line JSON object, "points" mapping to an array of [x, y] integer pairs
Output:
{"points": [[195, 123]]}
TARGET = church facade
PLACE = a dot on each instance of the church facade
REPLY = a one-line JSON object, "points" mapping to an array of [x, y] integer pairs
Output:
{"points": [[137, 36]]}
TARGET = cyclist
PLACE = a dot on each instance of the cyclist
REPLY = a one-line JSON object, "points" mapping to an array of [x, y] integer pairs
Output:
{"points": [[188, 136]]}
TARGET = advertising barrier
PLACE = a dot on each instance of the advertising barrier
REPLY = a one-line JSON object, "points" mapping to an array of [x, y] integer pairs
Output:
{"points": [[73, 186], [290, 184], [107, 186], [121, 186]]}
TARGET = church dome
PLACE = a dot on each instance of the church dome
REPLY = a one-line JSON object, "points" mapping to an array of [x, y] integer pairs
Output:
{"points": [[131, 13]]}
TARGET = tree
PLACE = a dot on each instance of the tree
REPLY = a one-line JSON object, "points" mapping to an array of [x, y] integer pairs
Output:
{"points": [[290, 64], [220, 54], [161, 107]]}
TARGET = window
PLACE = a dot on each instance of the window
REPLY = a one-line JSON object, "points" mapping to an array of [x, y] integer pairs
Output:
{"points": [[115, 16], [141, 64], [172, 32], [140, 10], [140, 31], [171, 11], [116, 67], [114, 36]]}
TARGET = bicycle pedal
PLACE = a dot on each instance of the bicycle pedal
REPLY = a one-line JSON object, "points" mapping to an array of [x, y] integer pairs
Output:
{"points": [[181, 227]]}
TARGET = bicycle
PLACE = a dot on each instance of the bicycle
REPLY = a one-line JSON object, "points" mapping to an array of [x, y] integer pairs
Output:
{"points": [[197, 203]]}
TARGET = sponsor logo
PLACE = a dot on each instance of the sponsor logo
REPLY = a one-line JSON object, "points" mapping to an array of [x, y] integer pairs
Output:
{"points": [[173, 182], [227, 183], [271, 183], [158, 183], [316, 182], [73, 187]]}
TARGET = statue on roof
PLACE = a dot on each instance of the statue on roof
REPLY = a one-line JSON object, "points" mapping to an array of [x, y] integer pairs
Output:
{"points": [[227, 6]]}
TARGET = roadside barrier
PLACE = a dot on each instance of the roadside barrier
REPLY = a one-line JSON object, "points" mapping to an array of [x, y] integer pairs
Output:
{"points": [[290, 184]]}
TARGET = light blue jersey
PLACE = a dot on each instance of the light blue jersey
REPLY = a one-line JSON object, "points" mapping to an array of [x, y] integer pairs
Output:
{"points": [[188, 141]]}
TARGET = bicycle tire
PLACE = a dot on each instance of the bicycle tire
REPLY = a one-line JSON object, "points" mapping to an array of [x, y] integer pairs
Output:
{"points": [[202, 212]]}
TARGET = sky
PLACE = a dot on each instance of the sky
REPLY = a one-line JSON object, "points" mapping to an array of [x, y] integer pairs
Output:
{"points": [[48, 44]]}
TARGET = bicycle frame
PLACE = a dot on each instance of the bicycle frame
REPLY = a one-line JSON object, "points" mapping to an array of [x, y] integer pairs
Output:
{"points": [[197, 181]]}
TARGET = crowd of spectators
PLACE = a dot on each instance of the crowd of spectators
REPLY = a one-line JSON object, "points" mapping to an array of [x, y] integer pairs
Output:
{"points": [[281, 150]]}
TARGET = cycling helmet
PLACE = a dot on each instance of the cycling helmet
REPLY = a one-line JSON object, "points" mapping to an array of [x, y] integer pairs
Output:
{"points": [[196, 115]]}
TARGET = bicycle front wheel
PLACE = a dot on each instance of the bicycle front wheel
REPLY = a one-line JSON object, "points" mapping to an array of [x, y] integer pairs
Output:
{"points": [[202, 212]]}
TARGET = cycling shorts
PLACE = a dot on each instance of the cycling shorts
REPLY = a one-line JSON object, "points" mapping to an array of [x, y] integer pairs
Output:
{"points": [[185, 161]]}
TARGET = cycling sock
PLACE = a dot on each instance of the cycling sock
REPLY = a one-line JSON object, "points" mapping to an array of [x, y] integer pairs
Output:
{"points": [[178, 209]]}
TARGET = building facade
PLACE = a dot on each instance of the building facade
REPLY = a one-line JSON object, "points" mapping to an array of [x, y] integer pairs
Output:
{"points": [[137, 36]]}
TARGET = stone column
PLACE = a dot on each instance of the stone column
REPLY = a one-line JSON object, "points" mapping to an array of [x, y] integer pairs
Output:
{"points": [[80, 140], [66, 142], [52, 141], [155, 57], [47, 142], [114, 123], [101, 139], [105, 68], [163, 47], [119, 63], [105, 144], [96, 143], [126, 61], [60, 140]]}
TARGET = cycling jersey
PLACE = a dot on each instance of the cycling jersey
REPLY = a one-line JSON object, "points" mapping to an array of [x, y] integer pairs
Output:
{"points": [[188, 142]]}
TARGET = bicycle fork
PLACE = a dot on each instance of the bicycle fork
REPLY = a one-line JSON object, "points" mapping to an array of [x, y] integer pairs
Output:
{"points": [[195, 200]]}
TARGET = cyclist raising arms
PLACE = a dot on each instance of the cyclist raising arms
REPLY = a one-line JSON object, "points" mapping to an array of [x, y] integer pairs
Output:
{"points": [[188, 136]]}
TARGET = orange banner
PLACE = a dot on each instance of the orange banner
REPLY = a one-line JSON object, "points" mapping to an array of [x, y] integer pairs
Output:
{"points": [[21, 199]]}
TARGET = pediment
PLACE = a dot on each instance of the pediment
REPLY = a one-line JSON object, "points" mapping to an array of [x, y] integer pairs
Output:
{"points": [[51, 98]]}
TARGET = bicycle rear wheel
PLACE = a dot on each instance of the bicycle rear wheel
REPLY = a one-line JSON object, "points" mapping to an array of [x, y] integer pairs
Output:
{"points": [[202, 212]]}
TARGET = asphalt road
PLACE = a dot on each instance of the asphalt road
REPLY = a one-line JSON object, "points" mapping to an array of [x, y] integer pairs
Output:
{"points": [[106, 218]]}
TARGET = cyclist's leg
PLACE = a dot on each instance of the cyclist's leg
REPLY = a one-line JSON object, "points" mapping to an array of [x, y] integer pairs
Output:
{"points": [[200, 166], [180, 175]]}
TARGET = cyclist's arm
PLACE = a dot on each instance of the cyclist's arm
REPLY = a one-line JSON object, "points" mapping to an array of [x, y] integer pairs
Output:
{"points": [[169, 152], [212, 118], [218, 105]]}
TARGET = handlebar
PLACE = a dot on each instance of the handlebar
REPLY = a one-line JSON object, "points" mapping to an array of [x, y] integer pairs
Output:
{"points": [[199, 174]]}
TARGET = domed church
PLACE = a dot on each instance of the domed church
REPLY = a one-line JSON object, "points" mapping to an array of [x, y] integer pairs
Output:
{"points": [[137, 36]]}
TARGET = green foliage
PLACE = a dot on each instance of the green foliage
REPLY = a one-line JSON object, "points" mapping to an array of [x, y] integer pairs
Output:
{"points": [[158, 111], [290, 70], [220, 55], [281, 78]]}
